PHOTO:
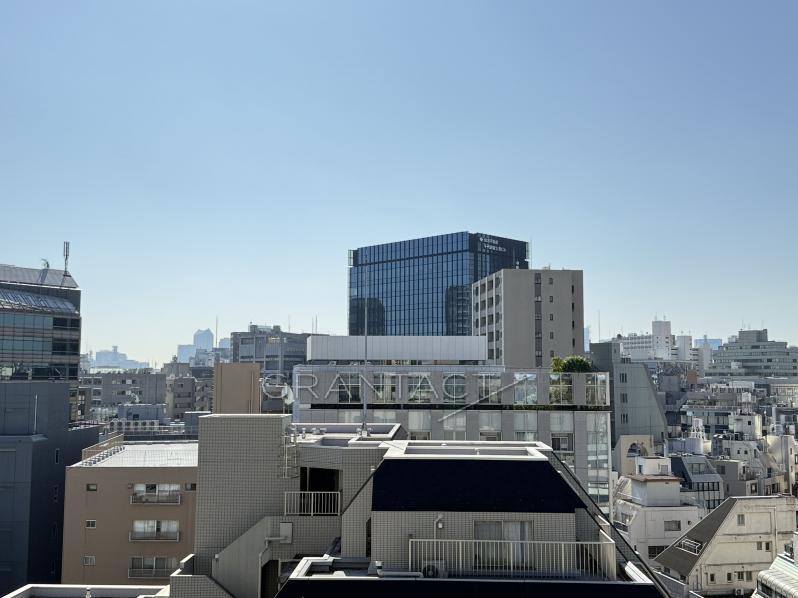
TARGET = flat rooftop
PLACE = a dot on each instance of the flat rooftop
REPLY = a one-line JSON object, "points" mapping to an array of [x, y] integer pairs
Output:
{"points": [[145, 454], [467, 449]]}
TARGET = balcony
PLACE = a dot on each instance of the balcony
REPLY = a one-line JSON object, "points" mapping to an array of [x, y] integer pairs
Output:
{"points": [[511, 559], [156, 498], [148, 573], [312, 503], [154, 536]]}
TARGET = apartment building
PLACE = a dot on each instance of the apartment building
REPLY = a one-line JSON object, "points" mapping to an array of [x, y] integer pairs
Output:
{"points": [[180, 396], [111, 389], [529, 316], [724, 553], [321, 508], [649, 508], [437, 389], [273, 349], [780, 580], [130, 512]]}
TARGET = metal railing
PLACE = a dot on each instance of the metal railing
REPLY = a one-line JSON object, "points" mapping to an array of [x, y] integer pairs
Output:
{"points": [[112, 441], [312, 503], [508, 558], [148, 573], [154, 536], [152, 498]]}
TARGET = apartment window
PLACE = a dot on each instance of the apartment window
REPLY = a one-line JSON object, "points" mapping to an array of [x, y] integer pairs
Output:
{"points": [[551, 336], [728, 577], [767, 546], [490, 425], [749, 576], [551, 280], [551, 317], [551, 298], [454, 425], [623, 378], [759, 545], [624, 397], [420, 388], [624, 418], [190, 487], [673, 525], [454, 388], [740, 575], [91, 487], [89, 560], [561, 391], [57, 456], [348, 388], [561, 424], [526, 389], [489, 385], [91, 524], [711, 578], [152, 566], [385, 388], [740, 519], [419, 424], [525, 425], [155, 529], [597, 389]]}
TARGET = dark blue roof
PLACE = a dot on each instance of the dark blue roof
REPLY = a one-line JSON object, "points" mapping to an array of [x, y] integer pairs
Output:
{"points": [[35, 303]]}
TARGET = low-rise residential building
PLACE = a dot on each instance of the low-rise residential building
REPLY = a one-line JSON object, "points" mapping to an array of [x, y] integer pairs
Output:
{"points": [[780, 580], [724, 552], [130, 512], [649, 508]]}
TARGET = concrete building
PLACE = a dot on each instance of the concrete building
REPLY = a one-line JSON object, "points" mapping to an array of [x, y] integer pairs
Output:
{"points": [[116, 388], [699, 480], [180, 396], [329, 490], [130, 512], [750, 353], [137, 417], [780, 580], [660, 344], [650, 509], [530, 316], [274, 350], [36, 444], [724, 553], [237, 388], [432, 387]]}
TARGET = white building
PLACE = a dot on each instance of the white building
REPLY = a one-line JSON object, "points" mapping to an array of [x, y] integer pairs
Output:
{"points": [[649, 509], [724, 552], [781, 580], [660, 344]]}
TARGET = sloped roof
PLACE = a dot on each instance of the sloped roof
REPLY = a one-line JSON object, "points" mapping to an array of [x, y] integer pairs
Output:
{"points": [[35, 303], [683, 561], [45, 276]]}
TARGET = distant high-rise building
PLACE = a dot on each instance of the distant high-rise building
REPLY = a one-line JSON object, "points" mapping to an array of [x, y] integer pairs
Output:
{"points": [[39, 356], [423, 286], [203, 339], [115, 359], [224, 343], [185, 353], [587, 339], [276, 351]]}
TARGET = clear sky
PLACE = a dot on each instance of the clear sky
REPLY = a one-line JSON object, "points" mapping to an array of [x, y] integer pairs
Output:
{"points": [[220, 158]]}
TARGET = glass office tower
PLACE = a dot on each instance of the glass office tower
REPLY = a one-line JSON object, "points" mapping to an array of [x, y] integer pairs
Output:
{"points": [[423, 286]]}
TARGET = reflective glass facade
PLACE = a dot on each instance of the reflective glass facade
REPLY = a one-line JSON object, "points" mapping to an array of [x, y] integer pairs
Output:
{"points": [[423, 286]]}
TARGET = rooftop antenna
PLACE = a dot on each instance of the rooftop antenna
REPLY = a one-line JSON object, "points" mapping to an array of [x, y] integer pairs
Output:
{"points": [[66, 257], [216, 336], [364, 430]]}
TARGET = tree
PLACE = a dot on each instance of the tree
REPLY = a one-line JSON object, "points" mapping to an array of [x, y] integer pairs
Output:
{"points": [[574, 363], [557, 364]]}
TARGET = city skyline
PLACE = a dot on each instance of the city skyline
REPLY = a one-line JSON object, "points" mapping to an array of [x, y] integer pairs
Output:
{"points": [[243, 151]]}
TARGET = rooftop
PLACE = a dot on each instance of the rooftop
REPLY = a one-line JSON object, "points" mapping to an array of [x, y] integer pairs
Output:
{"points": [[44, 277], [145, 454], [463, 449]]}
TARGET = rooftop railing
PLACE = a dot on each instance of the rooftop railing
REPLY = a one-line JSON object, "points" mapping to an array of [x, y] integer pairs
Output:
{"points": [[512, 559], [152, 498], [156, 536]]}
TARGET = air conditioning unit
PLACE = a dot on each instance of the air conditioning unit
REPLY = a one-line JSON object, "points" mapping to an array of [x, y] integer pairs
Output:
{"points": [[738, 591], [434, 569]]}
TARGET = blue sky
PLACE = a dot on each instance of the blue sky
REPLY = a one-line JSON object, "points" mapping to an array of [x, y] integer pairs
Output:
{"points": [[220, 158]]}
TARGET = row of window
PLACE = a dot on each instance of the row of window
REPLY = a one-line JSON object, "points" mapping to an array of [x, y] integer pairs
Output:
{"points": [[37, 371], [420, 389], [40, 346], [143, 488], [36, 322]]}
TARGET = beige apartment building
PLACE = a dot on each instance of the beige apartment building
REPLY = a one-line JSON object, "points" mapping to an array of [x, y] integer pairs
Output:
{"points": [[237, 388], [129, 512]]}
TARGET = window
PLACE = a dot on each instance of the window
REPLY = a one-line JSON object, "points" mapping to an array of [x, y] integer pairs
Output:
{"points": [[526, 389], [91, 487], [551, 298], [711, 578], [673, 525], [384, 388], [489, 388], [525, 425], [91, 524], [749, 576], [454, 388], [348, 388], [454, 425], [767, 546], [419, 424], [740, 575], [420, 388], [624, 397], [728, 577], [740, 519], [384, 416], [597, 389], [88, 560], [551, 317], [561, 424], [57, 456], [561, 389], [190, 486], [623, 378]]}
